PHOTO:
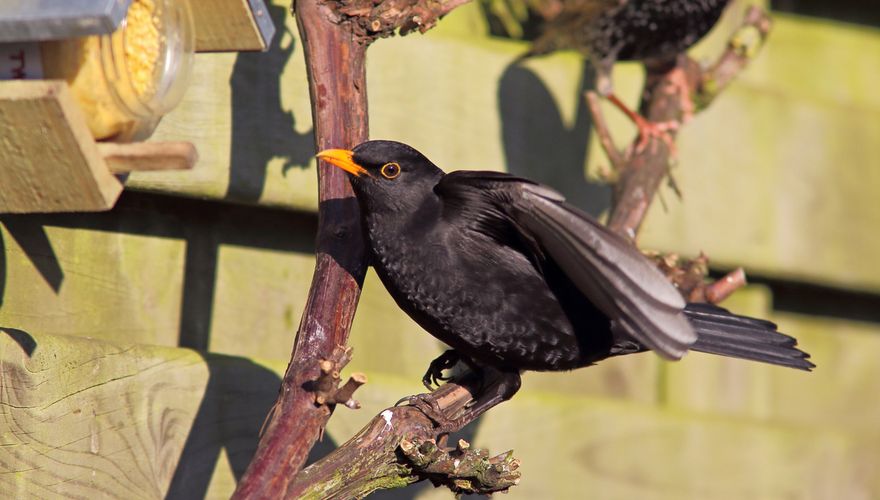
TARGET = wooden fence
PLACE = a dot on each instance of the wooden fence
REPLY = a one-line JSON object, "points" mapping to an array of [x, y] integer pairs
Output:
{"points": [[142, 347]]}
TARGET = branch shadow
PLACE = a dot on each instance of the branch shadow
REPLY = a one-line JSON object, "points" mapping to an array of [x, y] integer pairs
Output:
{"points": [[29, 233], [204, 226], [237, 398], [261, 129], [22, 338], [336, 241], [2, 268], [540, 146]]}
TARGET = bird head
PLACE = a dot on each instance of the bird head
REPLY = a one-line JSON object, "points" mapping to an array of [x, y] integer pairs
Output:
{"points": [[386, 174]]}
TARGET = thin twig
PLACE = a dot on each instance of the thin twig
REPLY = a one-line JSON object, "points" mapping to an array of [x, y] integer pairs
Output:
{"points": [[640, 173], [741, 49], [723, 288], [601, 127]]}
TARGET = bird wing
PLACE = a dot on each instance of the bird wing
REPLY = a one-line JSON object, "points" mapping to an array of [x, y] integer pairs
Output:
{"points": [[607, 269]]}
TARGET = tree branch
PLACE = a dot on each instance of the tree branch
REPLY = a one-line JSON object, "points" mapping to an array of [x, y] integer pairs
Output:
{"points": [[639, 173], [399, 447], [335, 44], [337, 84]]}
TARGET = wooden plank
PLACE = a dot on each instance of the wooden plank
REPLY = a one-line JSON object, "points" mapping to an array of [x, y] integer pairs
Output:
{"points": [[231, 25], [772, 140], [160, 270], [148, 156], [83, 419], [569, 446], [33, 20], [50, 161]]}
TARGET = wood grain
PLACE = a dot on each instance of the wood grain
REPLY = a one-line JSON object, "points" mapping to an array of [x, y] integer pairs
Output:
{"points": [[769, 140], [86, 419], [148, 156], [50, 161], [231, 25], [112, 428]]}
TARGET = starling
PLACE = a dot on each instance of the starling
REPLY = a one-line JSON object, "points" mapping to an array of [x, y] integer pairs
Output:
{"points": [[513, 278], [652, 31]]}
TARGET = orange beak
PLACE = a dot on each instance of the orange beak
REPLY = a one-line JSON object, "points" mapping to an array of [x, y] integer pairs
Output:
{"points": [[342, 158]]}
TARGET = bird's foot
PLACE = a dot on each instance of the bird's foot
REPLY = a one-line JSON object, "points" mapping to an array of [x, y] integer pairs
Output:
{"points": [[426, 404], [434, 375], [649, 131]]}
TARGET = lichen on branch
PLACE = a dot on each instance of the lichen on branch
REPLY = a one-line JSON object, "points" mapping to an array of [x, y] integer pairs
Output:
{"points": [[372, 20]]}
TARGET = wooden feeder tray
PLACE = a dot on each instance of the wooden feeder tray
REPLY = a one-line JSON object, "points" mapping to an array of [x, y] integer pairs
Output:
{"points": [[49, 161]]}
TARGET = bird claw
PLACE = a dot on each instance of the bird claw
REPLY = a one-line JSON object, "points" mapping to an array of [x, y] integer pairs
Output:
{"points": [[648, 131], [434, 376], [426, 404]]}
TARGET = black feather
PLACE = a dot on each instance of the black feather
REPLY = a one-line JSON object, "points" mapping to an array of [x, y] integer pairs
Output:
{"points": [[512, 277], [721, 332]]}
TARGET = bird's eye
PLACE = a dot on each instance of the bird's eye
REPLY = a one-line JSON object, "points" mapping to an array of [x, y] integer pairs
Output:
{"points": [[390, 170]]}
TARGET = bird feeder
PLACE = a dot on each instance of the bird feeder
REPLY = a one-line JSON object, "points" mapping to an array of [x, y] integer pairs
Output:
{"points": [[83, 83]]}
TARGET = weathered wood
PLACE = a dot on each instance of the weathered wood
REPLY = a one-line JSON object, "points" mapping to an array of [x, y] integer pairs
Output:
{"points": [[137, 405], [709, 385], [231, 25], [161, 270], [624, 451], [82, 419], [756, 136], [397, 448], [148, 156], [50, 161]]}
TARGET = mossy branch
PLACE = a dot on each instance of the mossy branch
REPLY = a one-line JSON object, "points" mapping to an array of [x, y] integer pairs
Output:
{"points": [[401, 446]]}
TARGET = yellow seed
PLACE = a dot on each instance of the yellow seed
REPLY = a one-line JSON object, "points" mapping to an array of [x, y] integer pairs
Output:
{"points": [[143, 43]]}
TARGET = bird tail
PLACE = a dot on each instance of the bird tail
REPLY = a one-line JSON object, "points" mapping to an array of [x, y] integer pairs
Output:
{"points": [[721, 332]]}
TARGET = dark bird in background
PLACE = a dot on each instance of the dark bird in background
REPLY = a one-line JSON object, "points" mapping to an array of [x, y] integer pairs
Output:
{"points": [[513, 278], [652, 31]]}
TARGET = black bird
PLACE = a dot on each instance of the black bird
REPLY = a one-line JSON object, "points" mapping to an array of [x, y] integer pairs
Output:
{"points": [[513, 278], [652, 31]]}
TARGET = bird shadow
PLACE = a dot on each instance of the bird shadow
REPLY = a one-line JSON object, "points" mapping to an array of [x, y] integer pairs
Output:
{"points": [[262, 129], [540, 146]]}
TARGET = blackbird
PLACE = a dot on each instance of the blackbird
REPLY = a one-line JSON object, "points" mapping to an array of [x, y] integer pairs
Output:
{"points": [[513, 278], [652, 31]]}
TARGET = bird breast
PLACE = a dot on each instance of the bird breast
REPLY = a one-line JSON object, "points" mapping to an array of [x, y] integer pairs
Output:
{"points": [[484, 299]]}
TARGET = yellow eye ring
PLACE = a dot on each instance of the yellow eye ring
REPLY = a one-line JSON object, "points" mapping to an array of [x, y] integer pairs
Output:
{"points": [[390, 170]]}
